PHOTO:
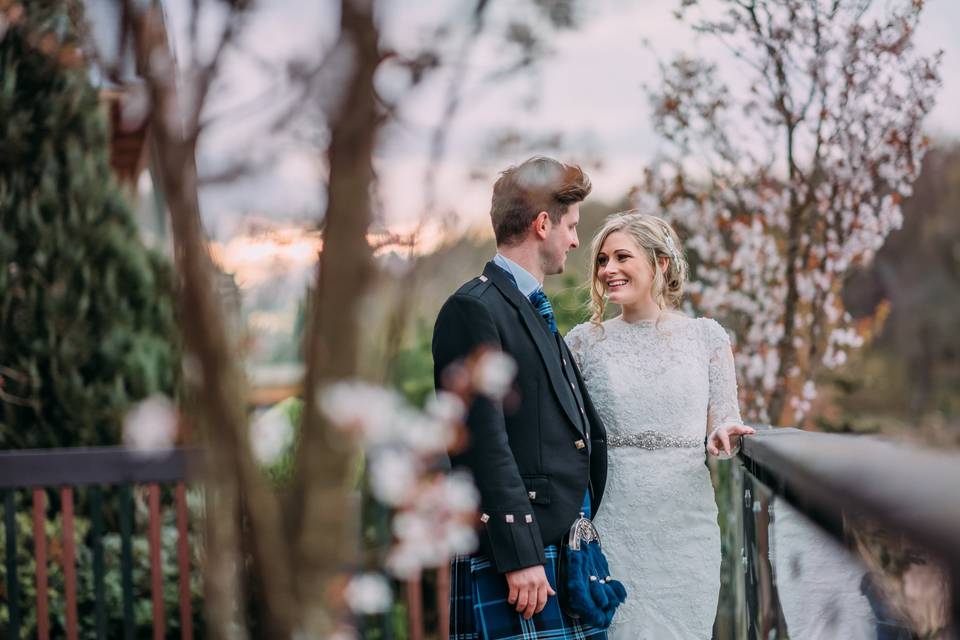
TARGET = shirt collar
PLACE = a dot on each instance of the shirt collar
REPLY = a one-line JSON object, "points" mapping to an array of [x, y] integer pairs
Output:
{"points": [[525, 280]]}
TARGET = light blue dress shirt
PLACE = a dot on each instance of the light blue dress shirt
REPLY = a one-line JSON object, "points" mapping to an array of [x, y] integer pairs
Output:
{"points": [[525, 280]]}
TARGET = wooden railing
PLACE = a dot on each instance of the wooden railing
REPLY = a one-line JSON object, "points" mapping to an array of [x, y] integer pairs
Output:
{"points": [[841, 481], [42, 480], [46, 478]]}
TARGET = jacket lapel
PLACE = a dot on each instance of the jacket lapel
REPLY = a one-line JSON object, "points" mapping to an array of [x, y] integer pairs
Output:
{"points": [[542, 337]]}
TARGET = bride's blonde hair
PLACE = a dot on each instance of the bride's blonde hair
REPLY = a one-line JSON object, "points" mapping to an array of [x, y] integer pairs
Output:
{"points": [[657, 240]]}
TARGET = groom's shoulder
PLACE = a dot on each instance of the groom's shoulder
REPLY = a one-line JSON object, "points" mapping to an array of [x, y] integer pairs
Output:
{"points": [[471, 297], [477, 287]]}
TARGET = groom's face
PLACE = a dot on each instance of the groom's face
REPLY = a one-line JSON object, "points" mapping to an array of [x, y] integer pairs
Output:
{"points": [[561, 238]]}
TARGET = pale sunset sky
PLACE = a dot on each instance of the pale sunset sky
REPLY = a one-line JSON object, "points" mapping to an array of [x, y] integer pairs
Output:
{"points": [[587, 88]]}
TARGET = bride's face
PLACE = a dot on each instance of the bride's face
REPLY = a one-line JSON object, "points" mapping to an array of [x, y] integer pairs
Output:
{"points": [[624, 270]]}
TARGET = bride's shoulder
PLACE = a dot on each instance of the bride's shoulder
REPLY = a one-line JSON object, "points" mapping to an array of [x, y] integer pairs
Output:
{"points": [[712, 331], [581, 340], [584, 332]]}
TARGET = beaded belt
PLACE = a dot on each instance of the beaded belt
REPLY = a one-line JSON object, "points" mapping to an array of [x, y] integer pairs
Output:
{"points": [[653, 440]]}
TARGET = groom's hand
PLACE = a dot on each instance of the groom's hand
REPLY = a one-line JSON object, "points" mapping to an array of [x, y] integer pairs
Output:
{"points": [[529, 590], [720, 438]]}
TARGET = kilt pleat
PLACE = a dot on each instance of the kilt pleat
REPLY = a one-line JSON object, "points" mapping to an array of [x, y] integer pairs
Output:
{"points": [[479, 609]]}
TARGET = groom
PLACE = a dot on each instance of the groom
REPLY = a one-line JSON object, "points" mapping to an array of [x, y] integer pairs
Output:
{"points": [[542, 460]]}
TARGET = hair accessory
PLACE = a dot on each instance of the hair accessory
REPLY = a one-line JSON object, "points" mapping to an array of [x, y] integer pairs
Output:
{"points": [[674, 254]]}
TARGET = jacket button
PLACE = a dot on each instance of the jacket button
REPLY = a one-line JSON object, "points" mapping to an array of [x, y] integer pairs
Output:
{"points": [[509, 518], [532, 495], [484, 518], [528, 518], [580, 444]]}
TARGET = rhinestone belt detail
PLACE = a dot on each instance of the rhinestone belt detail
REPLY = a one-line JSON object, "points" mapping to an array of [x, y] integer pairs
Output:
{"points": [[653, 440]]}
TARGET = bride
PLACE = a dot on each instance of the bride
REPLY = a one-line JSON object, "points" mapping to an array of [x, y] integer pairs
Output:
{"points": [[661, 381]]}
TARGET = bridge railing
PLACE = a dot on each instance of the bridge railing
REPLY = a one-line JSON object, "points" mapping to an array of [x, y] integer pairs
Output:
{"points": [[894, 506]]}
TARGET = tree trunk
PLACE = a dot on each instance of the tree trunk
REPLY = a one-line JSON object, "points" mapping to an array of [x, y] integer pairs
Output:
{"points": [[230, 470], [326, 543]]}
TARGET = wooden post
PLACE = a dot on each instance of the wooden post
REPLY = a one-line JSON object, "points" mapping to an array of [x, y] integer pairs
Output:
{"points": [[69, 561], [40, 557], [183, 563], [414, 607]]}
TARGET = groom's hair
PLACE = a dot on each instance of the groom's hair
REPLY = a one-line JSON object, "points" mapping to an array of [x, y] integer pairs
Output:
{"points": [[523, 191]]}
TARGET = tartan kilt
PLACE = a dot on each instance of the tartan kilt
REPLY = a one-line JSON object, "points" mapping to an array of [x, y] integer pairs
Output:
{"points": [[479, 609]]}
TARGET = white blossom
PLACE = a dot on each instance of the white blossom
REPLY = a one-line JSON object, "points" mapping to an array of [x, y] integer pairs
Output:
{"points": [[460, 493], [393, 475], [368, 594], [427, 435], [366, 409], [854, 157], [493, 374], [435, 514], [271, 434], [437, 525], [381, 418], [405, 560], [446, 407], [151, 425]]}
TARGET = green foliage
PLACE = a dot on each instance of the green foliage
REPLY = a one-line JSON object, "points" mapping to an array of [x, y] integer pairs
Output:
{"points": [[86, 313], [413, 369], [570, 303], [282, 470], [113, 591]]}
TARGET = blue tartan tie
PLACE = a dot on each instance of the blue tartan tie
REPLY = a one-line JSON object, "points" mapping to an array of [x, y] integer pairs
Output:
{"points": [[542, 304]]}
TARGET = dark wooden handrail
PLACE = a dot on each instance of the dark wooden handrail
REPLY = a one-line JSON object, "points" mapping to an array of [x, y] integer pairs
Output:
{"points": [[95, 465], [899, 486], [907, 488], [63, 471]]}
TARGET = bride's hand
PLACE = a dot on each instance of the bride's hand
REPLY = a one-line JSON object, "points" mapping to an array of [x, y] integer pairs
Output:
{"points": [[719, 438]]}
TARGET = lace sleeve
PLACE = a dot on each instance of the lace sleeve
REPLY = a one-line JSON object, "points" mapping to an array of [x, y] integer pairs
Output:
{"points": [[724, 407], [576, 342]]}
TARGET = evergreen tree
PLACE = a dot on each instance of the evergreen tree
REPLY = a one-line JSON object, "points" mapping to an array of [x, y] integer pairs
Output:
{"points": [[86, 310]]}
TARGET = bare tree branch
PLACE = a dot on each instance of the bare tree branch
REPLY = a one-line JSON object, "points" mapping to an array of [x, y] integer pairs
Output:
{"points": [[231, 470], [206, 73], [325, 525]]}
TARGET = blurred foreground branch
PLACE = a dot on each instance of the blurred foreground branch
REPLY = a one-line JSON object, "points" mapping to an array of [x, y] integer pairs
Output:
{"points": [[217, 376], [326, 533]]}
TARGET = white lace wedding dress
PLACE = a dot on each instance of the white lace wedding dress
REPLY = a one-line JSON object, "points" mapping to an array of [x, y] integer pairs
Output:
{"points": [[660, 387]]}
